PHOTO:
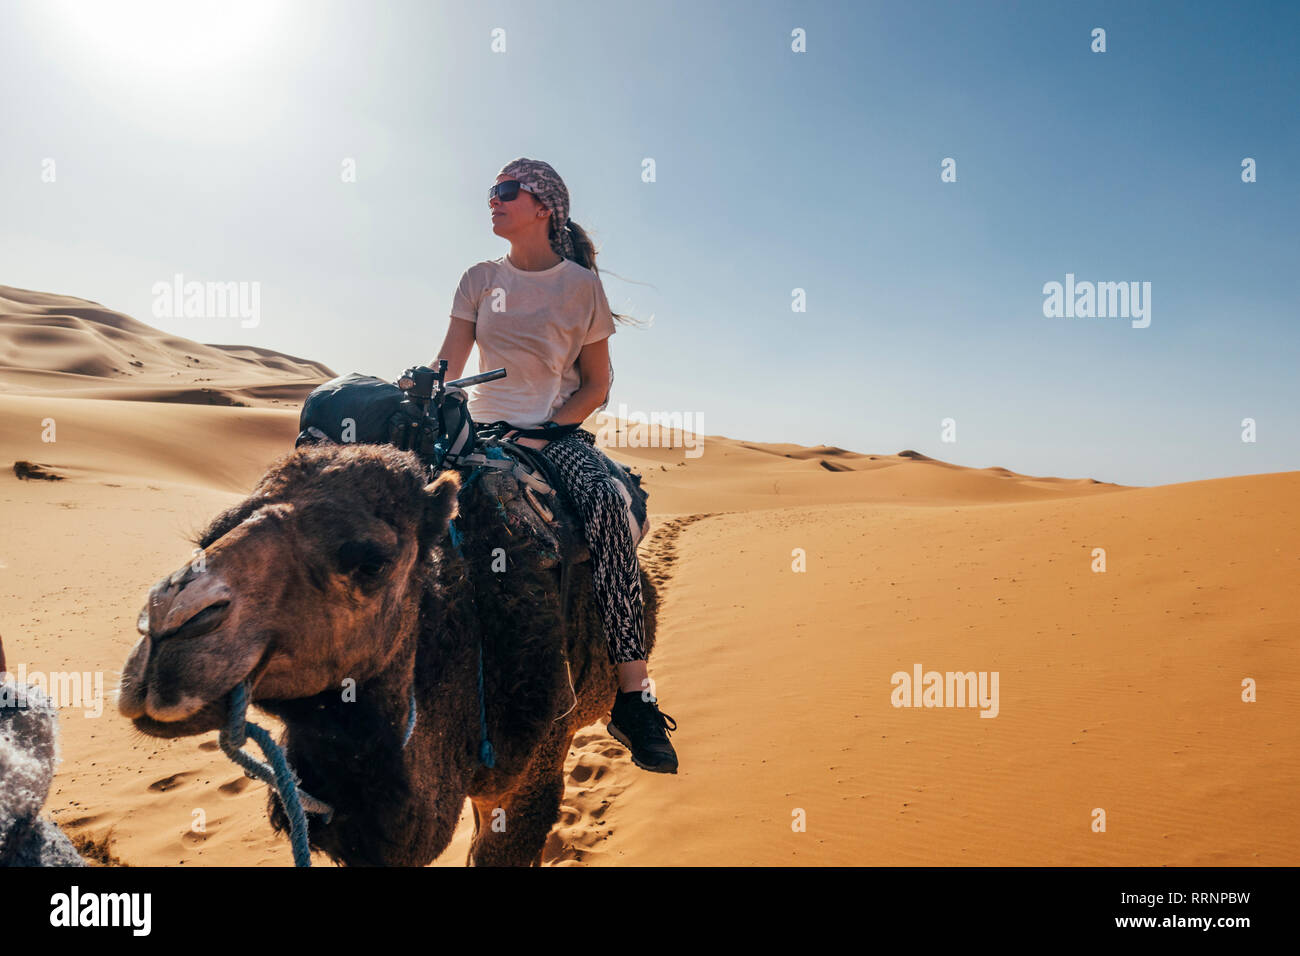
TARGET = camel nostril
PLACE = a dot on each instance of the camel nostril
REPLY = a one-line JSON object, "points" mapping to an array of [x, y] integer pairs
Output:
{"points": [[183, 577], [206, 620]]}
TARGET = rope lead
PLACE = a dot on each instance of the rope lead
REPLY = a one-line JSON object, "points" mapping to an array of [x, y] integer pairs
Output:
{"points": [[486, 753], [276, 774]]}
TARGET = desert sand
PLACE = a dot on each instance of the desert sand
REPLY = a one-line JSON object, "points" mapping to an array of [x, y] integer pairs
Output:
{"points": [[1120, 690]]}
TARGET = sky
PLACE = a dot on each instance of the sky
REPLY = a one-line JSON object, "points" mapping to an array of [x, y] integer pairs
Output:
{"points": [[211, 140]]}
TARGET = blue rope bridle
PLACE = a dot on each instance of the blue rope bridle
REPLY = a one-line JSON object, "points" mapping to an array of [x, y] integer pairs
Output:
{"points": [[486, 755], [410, 718], [276, 773]]}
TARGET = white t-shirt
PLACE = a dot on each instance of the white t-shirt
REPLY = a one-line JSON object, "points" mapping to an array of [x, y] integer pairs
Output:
{"points": [[533, 324]]}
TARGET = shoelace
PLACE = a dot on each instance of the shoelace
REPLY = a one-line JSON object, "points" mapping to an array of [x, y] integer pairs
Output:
{"points": [[658, 720]]}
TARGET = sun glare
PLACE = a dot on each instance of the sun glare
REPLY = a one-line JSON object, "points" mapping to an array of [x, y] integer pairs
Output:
{"points": [[173, 36]]}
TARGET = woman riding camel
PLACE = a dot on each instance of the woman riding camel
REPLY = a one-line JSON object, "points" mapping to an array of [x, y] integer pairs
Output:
{"points": [[540, 311]]}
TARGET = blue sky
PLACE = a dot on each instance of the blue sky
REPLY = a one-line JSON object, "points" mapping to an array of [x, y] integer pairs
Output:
{"points": [[207, 139]]}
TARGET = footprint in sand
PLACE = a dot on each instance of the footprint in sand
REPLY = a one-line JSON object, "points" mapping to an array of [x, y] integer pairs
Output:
{"points": [[598, 768], [661, 548], [590, 768], [172, 782], [233, 788], [193, 838], [593, 774]]}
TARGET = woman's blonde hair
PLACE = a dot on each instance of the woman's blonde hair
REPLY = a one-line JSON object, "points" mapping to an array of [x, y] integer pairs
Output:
{"points": [[585, 256]]}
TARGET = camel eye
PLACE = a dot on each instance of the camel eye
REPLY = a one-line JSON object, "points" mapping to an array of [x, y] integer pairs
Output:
{"points": [[363, 559]]}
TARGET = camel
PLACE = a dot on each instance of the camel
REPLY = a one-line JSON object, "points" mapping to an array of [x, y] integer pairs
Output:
{"points": [[334, 590]]}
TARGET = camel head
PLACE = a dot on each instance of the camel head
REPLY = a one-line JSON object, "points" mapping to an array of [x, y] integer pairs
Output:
{"points": [[316, 577]]}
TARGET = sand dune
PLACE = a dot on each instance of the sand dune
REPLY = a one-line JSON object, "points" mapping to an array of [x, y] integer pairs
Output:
{"points": [[737, 475], [72, 347], [1118, 690]]}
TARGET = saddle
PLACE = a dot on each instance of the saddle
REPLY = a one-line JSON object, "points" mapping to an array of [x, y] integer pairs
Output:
{"points": [[534, 499]]}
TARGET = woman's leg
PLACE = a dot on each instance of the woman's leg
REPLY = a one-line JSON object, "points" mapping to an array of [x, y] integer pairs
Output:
{"points": [[635, 719], [616, 572]]}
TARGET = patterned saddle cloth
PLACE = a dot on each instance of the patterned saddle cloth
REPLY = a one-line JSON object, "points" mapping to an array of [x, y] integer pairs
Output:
{"points": [[535, 499]]}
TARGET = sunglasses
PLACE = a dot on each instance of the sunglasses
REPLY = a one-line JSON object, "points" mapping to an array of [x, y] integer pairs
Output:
{"points": [[508, 191]]}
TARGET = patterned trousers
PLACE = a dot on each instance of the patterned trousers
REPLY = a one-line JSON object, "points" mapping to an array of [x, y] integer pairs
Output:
{"points": [[616, 572]]}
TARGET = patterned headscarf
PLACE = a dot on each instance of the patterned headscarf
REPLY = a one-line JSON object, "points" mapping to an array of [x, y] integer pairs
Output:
{"points": [[548, 189]]}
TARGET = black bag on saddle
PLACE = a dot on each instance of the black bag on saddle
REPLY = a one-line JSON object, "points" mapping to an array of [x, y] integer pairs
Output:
{"points": [[356, 408], [351, 408]]}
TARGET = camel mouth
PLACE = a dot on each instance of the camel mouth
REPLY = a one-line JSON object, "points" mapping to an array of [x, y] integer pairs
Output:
{"points": [[212, 716], [197, 710]]}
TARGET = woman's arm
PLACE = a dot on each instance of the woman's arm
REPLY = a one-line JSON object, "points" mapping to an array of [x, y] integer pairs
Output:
{"points": [[456, 347], [593, 370]]}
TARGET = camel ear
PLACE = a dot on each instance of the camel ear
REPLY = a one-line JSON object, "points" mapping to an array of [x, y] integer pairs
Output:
{"points": [[440, 504]]}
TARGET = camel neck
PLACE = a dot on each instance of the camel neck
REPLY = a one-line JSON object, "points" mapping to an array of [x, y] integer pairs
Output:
{"points": [[394, 805]]}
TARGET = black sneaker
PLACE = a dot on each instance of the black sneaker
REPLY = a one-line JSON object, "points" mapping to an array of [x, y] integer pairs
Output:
{"points": [[641, 728]]}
